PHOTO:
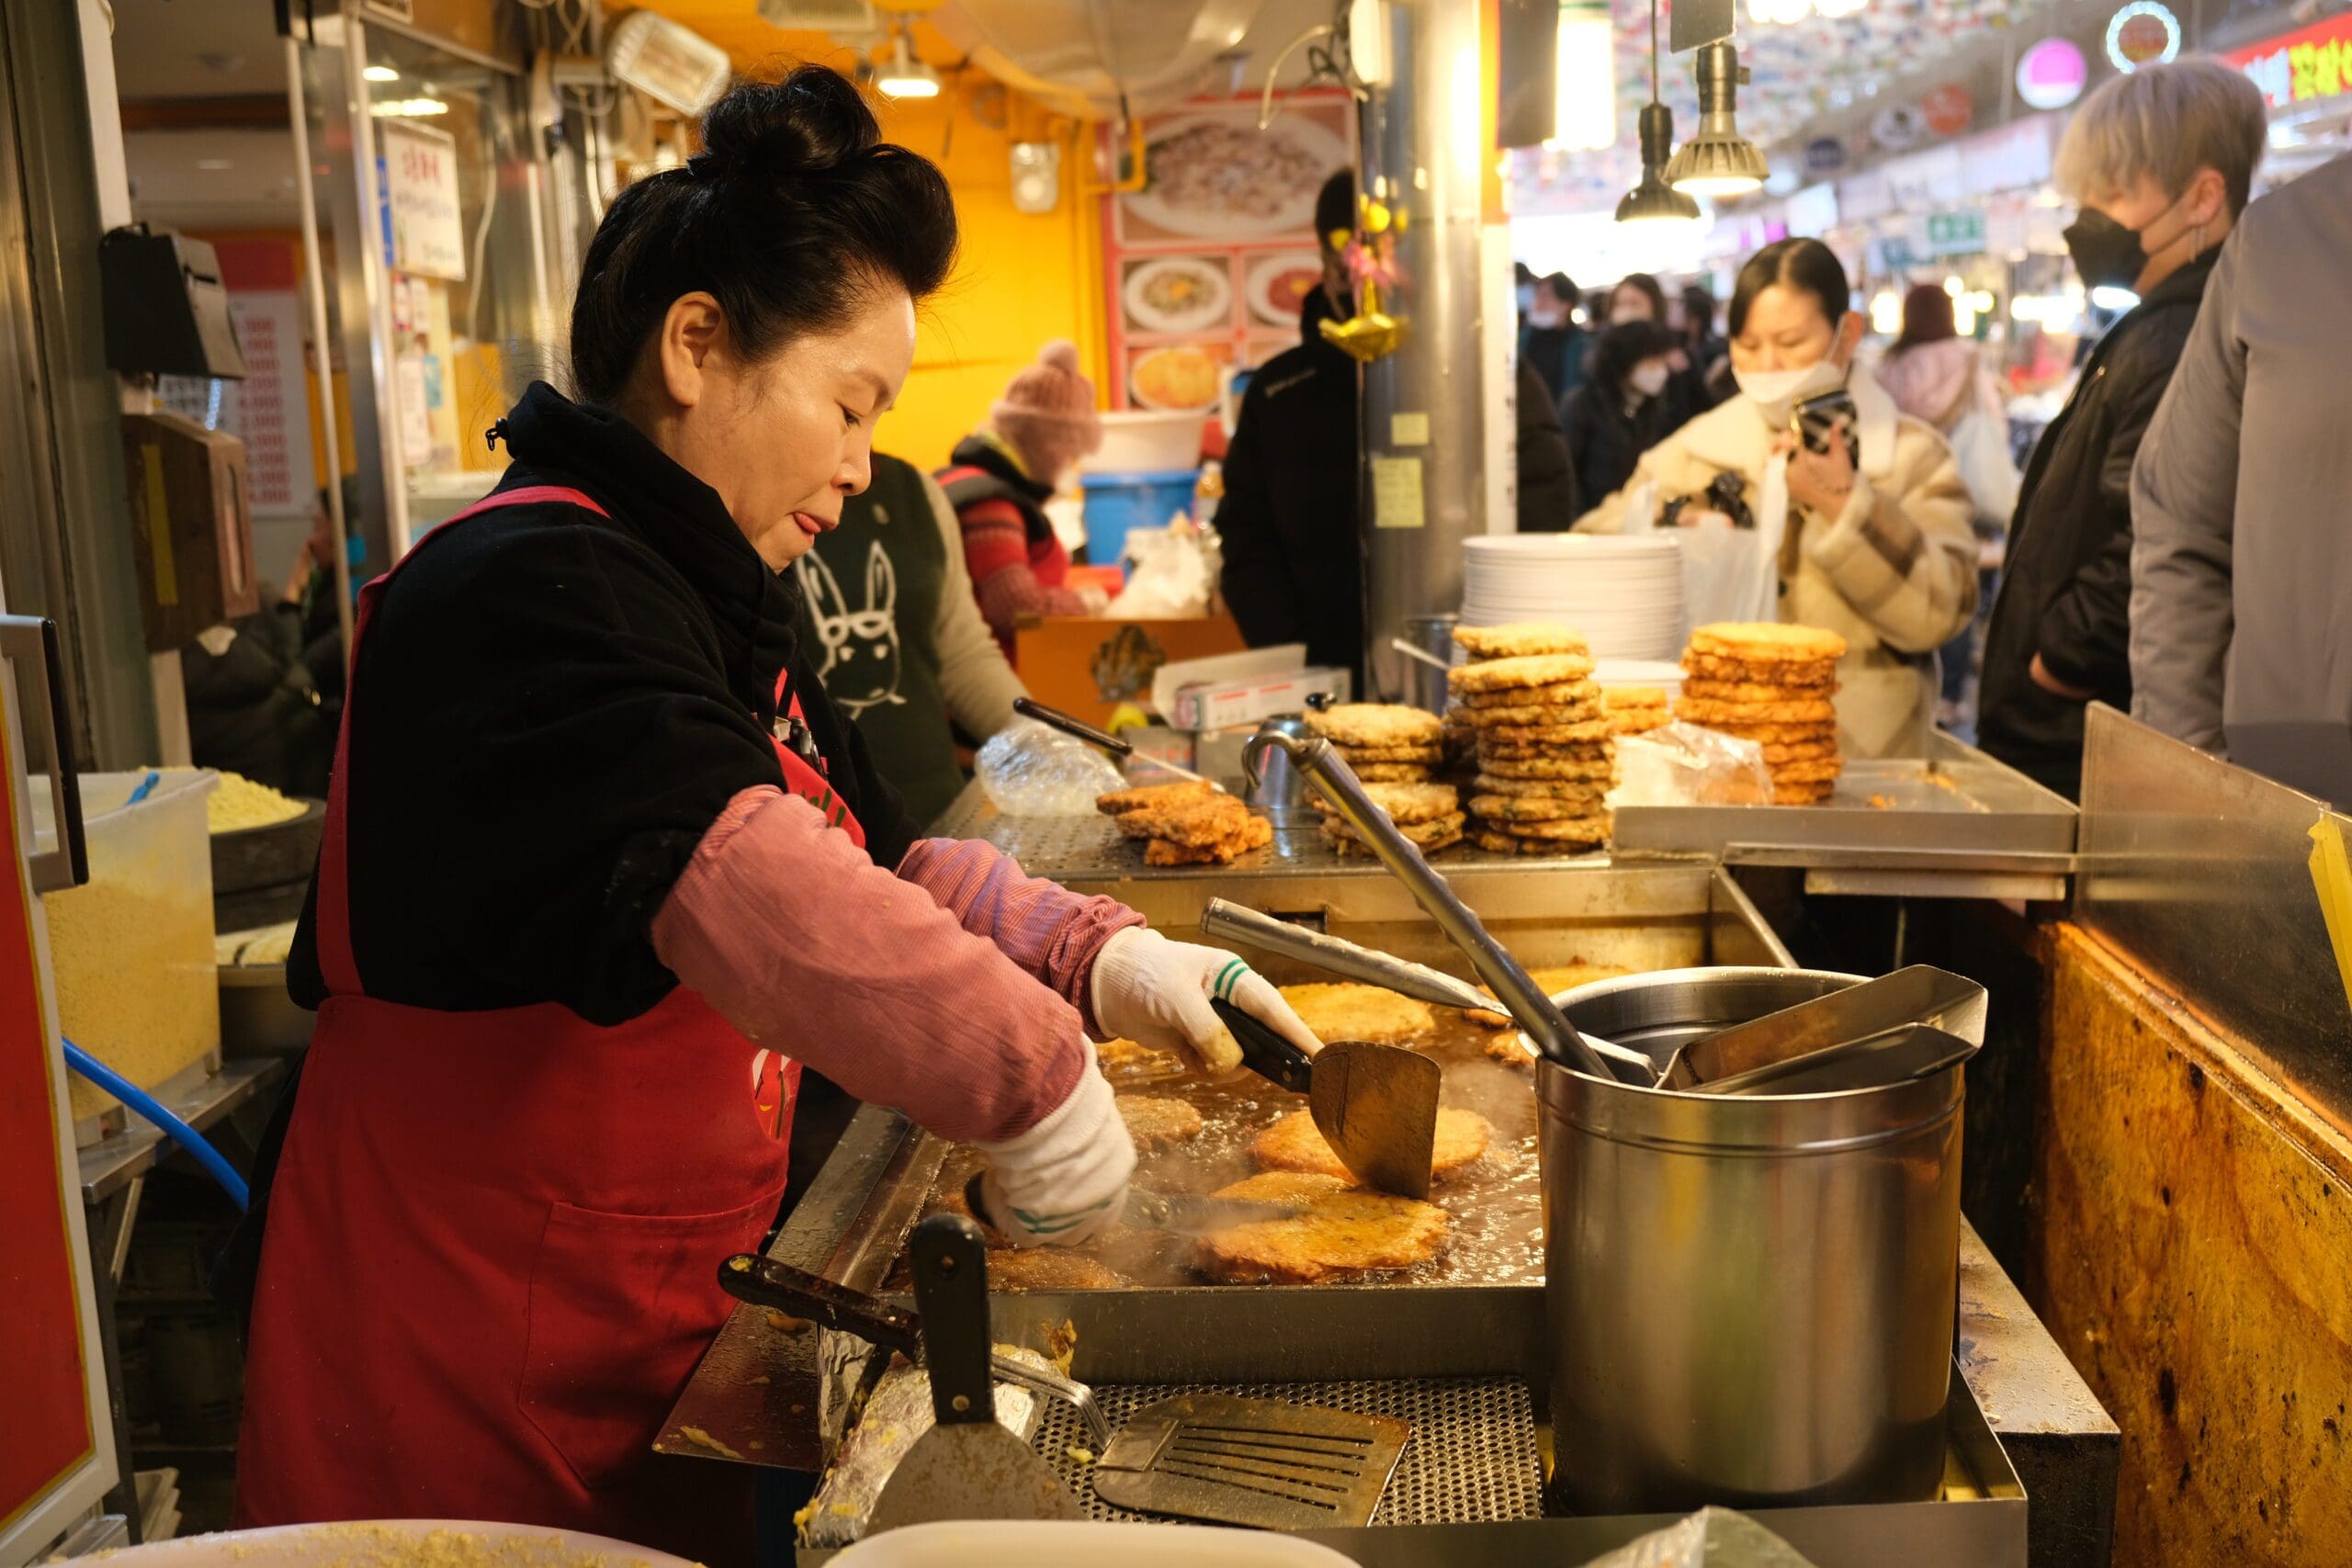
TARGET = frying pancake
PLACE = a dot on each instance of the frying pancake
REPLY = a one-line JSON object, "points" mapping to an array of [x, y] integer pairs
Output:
{"points": [[1344, 1231], [1156, 1121], [1294, 1144], [1153, 797], [1049, 1269], [1345, 1011], [1124, 1061]]}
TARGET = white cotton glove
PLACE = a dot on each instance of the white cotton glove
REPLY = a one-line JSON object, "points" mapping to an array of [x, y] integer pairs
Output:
{"points": [[1064, 1181], [1156, 992]]}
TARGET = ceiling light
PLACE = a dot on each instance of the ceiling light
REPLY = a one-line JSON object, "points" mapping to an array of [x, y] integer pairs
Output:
{"points": [[1717, 161], [1837, 8], [1653, 201], [381, 73], [904, 75], [1778, 13], [673, 65], [214, 165], [1584, 73], [408, 108]]}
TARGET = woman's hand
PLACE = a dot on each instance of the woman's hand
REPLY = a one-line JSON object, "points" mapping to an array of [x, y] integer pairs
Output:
{"points": [[1819, 481], [1065, 1180], [1156, 992], [2042, 677], [1693, 516]]}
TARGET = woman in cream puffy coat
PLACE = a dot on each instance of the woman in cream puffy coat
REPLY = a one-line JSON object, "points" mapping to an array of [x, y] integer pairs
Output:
{"points": [[1879, 551]]}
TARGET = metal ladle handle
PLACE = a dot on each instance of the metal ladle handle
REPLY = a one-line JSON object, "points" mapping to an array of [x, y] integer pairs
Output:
{"points": [[1552, 1034]]}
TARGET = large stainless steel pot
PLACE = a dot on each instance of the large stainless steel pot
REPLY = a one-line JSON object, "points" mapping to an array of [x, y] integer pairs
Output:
{"points": [[1749, 1300]]}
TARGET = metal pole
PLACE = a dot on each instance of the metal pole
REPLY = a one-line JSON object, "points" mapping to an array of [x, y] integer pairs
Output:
{"points": [[1423, 491], [321, 361]]}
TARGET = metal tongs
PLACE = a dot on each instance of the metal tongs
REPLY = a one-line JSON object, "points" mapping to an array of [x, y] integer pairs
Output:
{"points": [[1110, 745], [1533, 1011]]}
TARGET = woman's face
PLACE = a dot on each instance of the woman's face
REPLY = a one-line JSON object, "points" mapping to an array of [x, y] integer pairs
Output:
{"points": [[784, 440], [1786, 329], [1629, 304]]}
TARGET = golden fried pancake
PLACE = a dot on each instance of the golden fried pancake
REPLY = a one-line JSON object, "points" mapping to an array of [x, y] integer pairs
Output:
{"points": [[1341, 836], [1255, 833], [1781, 734], [1534, 669], [1820, 772], [1124, 1061], [1156, 1121], [1544, 734], [1513, 809], [1392, 773], [1294, 1144], [1351, 847], [1049, 1269], [1195, 823], [1518, 640], [1781, 673], [1802, 794], [1354, 755], [1633, 696], [1512, 845], [1777, 752], [1559, 693], [1374, 724], [1545, 789], [1542, 768], [1590, 829], [1537, 714], [1638, 721], [1343, 1232], [1345, 1011], [1810, 710], [1754, 692], [1153, 797], [1769, 642], [1405, 802]]}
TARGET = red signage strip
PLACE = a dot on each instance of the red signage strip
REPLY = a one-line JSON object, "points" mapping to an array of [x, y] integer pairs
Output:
{"points": [[2300, 67]]}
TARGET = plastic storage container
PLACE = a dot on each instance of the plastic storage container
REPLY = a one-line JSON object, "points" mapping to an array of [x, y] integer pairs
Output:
{"points": [[1116, 503], [131, 950], [1143, 439]]}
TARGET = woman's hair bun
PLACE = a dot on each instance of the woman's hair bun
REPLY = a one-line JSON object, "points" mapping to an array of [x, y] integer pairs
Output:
{"points": [[809, 123]]}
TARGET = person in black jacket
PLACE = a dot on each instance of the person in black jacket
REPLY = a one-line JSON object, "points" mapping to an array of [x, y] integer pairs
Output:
{"points": [[1294, 555], [1619, 413], [1550, 341], [2163, 162]]}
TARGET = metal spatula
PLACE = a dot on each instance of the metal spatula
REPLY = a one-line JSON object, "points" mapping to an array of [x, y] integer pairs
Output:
{"points": [[1252, 1462], [1375, 1105], [966, 1466]]}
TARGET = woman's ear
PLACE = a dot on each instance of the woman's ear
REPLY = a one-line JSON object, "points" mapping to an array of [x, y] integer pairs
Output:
{"points": [[692, 331], [2209, 196], [1850, 328]]}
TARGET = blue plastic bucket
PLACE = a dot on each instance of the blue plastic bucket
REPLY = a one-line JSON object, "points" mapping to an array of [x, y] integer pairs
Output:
{"points": [[1118, 502]]}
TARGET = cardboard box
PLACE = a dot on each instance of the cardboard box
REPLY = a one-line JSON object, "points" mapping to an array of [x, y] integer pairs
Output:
{"points": [[191, 528], [1089, 667]]}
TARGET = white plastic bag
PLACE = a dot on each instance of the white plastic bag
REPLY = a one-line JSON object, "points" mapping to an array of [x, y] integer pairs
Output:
{"points": [[1734, 574], [1711, 1537], [1171, 573], [1028, 770], [1979, 444], [1684, 764]]}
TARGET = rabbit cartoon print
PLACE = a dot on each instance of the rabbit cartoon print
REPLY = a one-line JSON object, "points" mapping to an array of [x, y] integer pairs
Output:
{"points": [[861, 657]]}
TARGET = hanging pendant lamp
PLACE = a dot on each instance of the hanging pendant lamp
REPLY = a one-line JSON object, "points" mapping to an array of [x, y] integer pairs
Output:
{"points": [[1653, 200], [1718, 160]]}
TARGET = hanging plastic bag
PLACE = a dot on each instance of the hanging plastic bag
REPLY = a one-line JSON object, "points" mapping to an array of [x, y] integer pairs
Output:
{"points": [[1171, 573], [1980, 445], [1684, 764], [1731, 573], [1028, 770]]}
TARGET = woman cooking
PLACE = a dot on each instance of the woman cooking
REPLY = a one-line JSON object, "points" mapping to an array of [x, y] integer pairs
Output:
{"points": [[1875, 541], [603, 868]]}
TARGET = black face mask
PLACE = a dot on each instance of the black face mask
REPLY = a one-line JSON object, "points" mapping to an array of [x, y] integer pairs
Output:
{"points": [[2105, 252]]}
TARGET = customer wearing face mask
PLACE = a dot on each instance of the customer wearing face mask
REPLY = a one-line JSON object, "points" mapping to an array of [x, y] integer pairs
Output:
{"points": [[1638, 296], [2162, 161], [1620, 411], [1550, 342], [1875, 543]]}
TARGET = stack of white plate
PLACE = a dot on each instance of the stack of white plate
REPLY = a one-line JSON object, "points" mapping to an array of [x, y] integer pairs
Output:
{"points": [[1623, 592]]}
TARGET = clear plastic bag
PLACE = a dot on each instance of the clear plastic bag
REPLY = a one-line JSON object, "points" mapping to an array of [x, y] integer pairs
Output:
{"points": [[1711, 1537], [1171, 573], [1028, 770], [1682, 765]]}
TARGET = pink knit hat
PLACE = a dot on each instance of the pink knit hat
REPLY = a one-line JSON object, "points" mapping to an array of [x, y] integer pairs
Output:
{"points": [[1048, 413]]}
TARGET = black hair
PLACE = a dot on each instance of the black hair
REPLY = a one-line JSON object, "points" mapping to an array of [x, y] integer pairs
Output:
{"points": [[1335, 205], [793, 214], [1616, 351], [1521, 273], [1563, 287], [1807, 265], [1644, 284]]}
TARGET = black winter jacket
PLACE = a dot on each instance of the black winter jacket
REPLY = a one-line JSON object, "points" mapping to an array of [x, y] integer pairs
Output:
{"points": [[1605, 442], [2066, 584], [552, 709], [1294, 552]]}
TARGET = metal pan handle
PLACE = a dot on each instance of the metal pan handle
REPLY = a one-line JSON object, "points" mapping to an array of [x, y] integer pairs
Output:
{"points": [[31, 640], [951, 1269], [1074, 727], [765, 1282], [1336, 955], [1265, 1052]]}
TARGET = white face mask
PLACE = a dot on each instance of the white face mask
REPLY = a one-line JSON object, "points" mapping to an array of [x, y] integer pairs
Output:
{"points": [[1649, 377], [1526, 298], [1776, 394]]}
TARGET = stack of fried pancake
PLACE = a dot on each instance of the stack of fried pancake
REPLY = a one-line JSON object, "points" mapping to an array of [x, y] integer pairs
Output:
{"points": [[1430, 815], [1772, 685], [1636, 710], [1191, 823], [1545, 758], [1382, 743]]}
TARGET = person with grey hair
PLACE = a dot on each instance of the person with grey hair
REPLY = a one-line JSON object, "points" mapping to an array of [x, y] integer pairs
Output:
{"points": [[2161, 163], [2238, 504]]}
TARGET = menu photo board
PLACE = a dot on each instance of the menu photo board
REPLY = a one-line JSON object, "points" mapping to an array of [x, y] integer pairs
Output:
{"points": [[1208, 266], [427, 229]]}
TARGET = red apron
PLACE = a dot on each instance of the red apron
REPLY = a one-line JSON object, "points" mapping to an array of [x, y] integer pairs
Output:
{"points": [[491, 1258]]}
